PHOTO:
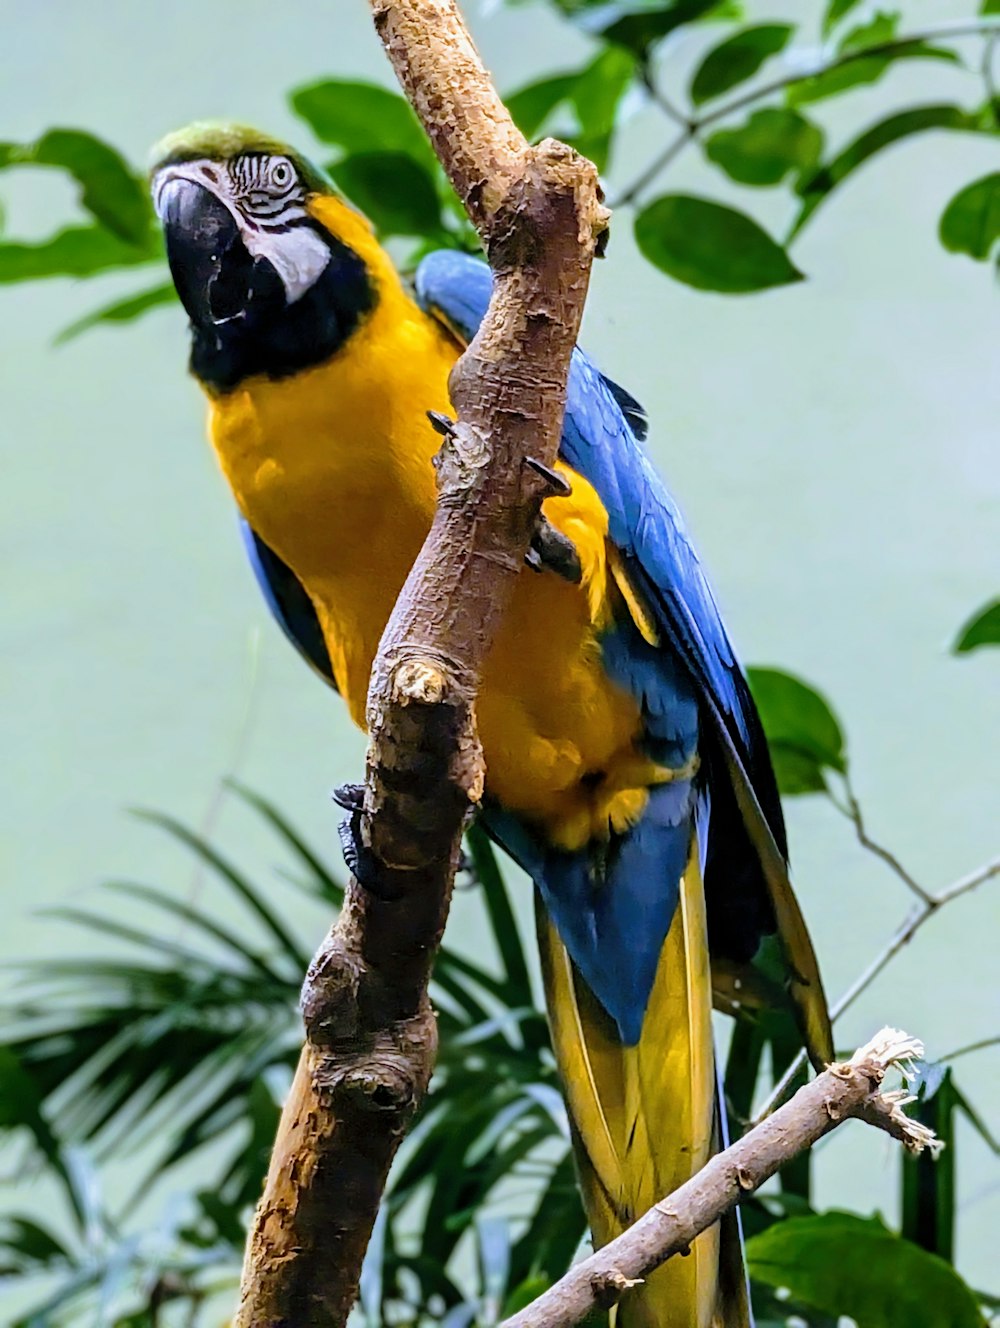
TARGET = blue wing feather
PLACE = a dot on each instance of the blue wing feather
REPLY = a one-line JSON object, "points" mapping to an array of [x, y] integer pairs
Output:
{"points": [[612, 912], [289, 603]]}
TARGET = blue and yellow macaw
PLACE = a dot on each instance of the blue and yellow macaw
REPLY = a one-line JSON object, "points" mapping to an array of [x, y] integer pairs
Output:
{"points": [[626, 766]]}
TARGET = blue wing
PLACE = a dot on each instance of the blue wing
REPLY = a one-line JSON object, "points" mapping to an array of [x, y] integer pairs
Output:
{"points": [[290, 606], [695, 678]]}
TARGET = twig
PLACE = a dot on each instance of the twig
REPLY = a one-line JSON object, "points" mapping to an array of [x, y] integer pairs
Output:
{"points": [[691, 126], [902, 936], [852, 810], [371, 1034], [851, 1089], [969, 1048]]}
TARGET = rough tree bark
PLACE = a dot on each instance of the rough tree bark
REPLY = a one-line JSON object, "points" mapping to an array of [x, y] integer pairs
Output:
{"points": [[370, 1031]]}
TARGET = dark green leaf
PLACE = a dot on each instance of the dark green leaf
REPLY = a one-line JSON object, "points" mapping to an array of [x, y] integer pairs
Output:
{"points": [[818, 185], [835, 11], [636, 24], [711, 247], [109, 189], [251, 896], [531, 106], [503, 922], [982, 629], [361, 117], [328, 887], [594, 96], [927, 1207], [854, 1266], [737, 59], [77, 251], [970, 224], [990, 7], [879, 29], [802, 731], [773, 143], [394, 191], [25, 1247], [864, 55], [121, 311]]}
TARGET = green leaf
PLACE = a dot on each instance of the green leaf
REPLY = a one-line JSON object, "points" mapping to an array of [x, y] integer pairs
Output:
{"points": [[816, 187], [637, 24], [395, 192], [864, 55], [596, 98], [970, 224], [503, 922], [982, 629], [361, 117], [835, 11], [711, 247], [879, 29], [990, 7], [847, 1265], [121, 311], [737, 59], [802, 731], [773, 143], [927, 1206], [77, 251], [532, 105], [109, 189], [594, 95]]}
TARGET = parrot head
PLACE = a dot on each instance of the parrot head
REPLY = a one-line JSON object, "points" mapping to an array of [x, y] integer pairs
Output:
{"points": [[268, 261]]}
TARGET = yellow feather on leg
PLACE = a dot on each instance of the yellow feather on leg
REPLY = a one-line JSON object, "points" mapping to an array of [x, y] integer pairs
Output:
{"points": [[645, 1117]]}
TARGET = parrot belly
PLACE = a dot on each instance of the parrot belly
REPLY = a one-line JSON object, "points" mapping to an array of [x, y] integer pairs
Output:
{"points": [[332, 468]]}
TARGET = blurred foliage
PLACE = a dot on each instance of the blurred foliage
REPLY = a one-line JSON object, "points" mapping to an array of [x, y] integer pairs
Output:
{"points": [[756, 94], [982, 629], [179, 1044], [181, 1048]]}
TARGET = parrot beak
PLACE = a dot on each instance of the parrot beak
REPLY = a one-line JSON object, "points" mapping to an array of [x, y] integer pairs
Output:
{"points": [[209, 262]]}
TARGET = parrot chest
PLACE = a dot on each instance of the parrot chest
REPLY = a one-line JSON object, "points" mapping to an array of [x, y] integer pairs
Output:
{"points": [[332, 468]]}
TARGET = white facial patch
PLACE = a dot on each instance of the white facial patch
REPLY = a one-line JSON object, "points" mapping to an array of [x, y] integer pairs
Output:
{"points": [[266, 199]]}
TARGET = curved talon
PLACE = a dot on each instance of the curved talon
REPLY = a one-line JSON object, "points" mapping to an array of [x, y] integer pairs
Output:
{"points": [[551, 550], [559, 484], [441, 424], [349, 796]]}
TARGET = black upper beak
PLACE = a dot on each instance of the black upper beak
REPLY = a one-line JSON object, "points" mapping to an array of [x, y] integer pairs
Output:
{"points": [[209, 262]]}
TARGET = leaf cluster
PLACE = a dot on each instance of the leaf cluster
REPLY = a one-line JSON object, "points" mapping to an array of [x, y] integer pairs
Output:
{"points": [[754, 107]]}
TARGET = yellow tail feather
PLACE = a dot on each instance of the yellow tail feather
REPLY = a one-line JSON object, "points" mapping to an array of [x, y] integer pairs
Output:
{"points": [[644, 1117]]}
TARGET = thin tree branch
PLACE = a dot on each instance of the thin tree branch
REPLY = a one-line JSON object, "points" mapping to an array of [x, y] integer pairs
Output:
{"points": [[370, 1032], [692, 126], [933, 32], [852, 810], [902, 936], [852, 1089]]}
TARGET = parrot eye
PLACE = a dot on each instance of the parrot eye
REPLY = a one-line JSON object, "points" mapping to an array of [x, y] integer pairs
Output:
{"points": [[282, 173]]}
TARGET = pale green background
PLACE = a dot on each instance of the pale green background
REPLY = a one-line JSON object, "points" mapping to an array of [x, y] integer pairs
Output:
{"points": [[833, 445]]}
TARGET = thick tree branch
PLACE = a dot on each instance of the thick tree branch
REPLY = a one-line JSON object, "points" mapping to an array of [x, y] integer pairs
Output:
{"points": [[371, 1035], [851, 1089]]}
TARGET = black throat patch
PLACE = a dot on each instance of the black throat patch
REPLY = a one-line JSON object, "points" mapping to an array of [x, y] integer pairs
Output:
{"points": [[263, 333]]}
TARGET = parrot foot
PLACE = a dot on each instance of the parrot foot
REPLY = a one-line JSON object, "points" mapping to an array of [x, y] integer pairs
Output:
{"points": [[357, 855], [550, 550]]}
